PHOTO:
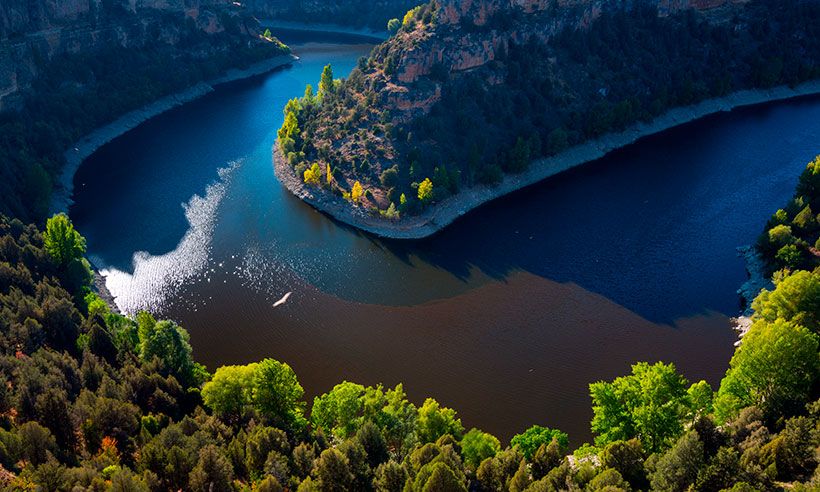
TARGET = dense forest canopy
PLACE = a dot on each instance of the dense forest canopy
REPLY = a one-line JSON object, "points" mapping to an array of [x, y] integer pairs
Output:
{"points": [[94, 400], [449, 104]]}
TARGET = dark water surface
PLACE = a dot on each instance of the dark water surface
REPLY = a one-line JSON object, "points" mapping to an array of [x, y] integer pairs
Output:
{"points": [[506, 316]]}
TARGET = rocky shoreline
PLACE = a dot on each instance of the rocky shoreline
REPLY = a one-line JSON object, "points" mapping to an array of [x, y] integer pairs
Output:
{"points": [[82, 149], [448, 210], [758, 280]]}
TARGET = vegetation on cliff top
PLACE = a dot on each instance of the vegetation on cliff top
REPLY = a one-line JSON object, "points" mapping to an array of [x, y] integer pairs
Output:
{"points": [[412, 132], [94, 400]]}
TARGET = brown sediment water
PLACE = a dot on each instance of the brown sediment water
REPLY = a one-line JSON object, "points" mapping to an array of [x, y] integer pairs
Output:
{"points": [[506, 355]]}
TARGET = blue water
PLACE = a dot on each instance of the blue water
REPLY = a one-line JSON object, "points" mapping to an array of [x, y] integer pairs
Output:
{"points": [[630, 257]]}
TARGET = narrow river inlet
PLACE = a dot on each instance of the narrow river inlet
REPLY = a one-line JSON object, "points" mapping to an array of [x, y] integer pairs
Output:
{"points": [[506, 316]]}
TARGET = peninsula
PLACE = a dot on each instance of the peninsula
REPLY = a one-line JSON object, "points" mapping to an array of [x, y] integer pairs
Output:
{"points": [[469, 101]]}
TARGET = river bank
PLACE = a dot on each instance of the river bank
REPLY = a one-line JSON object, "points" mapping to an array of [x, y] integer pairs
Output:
{"points": [[74, 156], [448, 210]]}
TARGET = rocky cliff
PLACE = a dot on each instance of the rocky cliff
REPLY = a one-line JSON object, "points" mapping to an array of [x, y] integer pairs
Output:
{"points": [[32, 32], [468, 91]]}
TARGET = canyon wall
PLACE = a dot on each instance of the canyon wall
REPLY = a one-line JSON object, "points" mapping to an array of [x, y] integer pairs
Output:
{"points": [[32, 32], [469, 34]]}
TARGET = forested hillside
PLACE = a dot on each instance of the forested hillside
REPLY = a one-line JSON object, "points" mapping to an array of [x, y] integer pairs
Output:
{"points": [[465, 93], [69, 67], [94, 400]]}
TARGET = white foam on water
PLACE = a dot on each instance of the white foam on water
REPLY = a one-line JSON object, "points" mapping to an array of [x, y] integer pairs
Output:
{"points": [[157, 278]]}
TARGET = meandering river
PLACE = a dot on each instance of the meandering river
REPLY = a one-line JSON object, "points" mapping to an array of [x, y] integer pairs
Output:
{"points": [[506, 316]]}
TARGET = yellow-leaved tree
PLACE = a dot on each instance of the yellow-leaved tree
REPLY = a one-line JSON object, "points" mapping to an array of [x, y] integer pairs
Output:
{"points": [[426, 191], [313, 174], [356, 192]]}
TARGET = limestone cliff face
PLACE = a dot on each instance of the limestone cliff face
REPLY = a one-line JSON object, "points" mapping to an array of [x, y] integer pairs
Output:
{"points": [[470, 34], [34, 31]]}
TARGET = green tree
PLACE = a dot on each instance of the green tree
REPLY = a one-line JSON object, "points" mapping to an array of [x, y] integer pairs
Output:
{"points": [[36, 443], [309, 97], [805, 220], [326, 82], [722, 471], [700, 398], [390, 477], [277, 394], [649, 404], [229, 393], [628, 458], [369, 436], [794, 450], [435, 421], [212, 472], [124, 480], [169, 343], [557, 140], [547, 457], [290, 127], [425, 191], [533, 438], [392, 213], [608, 480], [262, 442], [774, 368], [789, 256], [677, 469], [339, 410], [520, 156], [809, 182], [393, 26], [390, 177], [62, 243], [437, 477], [796, 298], [333, 471], [780, 235], [267, 34], [521, 480], [476, 446]]}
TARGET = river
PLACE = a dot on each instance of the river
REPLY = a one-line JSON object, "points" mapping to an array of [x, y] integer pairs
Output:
{"points": [[506, 316]]}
